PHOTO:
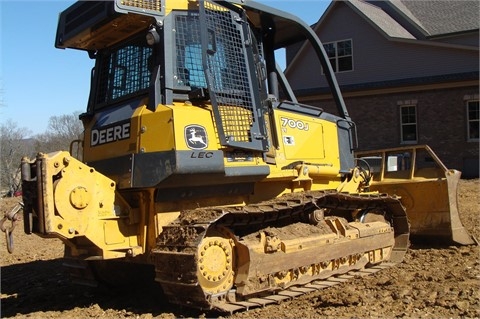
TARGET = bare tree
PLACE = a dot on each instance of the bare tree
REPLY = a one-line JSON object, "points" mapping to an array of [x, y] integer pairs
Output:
{"points": [[13, 146], [61, 131]]}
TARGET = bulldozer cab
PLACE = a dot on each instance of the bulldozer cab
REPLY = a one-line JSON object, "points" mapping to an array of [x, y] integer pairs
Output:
{"points": [[166, 52]]}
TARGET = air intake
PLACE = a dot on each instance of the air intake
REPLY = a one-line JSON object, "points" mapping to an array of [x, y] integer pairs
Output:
{"points": [[95, 25]]}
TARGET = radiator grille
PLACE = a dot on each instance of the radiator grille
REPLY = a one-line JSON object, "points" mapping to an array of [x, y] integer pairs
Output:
{"points": [[152, 5]]}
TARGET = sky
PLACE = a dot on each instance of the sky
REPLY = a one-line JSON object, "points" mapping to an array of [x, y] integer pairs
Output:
{"points": [[38, 81]]}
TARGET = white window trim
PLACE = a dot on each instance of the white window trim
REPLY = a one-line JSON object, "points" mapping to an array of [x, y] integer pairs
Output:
{"points": [[336, 55], [402, 105], [469, 139]]}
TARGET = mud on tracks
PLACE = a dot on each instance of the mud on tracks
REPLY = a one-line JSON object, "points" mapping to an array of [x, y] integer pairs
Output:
{"points": [[432, 282]]}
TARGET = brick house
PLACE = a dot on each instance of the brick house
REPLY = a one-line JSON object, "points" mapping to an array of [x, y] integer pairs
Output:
{"points": [[408, 70]]}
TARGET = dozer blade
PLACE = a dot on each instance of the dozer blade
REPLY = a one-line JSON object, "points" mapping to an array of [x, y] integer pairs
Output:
{"points": [[428, 190]]}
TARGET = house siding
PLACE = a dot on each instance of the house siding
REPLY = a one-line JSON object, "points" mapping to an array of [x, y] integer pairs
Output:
{"points": [[441, 123], [375, 58], [471, 39], [387, 72]]}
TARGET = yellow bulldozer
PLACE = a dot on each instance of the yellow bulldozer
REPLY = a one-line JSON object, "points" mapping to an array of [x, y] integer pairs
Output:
{"points": [[199, 166]]}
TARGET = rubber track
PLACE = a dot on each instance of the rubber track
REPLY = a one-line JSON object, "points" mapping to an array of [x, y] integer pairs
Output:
{"points": [[175, 257]]}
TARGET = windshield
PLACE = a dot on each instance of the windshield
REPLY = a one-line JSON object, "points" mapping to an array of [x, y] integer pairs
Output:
{"points": [[189, 68], [189, 65]]}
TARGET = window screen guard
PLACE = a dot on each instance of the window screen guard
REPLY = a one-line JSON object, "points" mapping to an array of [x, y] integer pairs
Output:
{"points": [[124, 72], [228, 63]]}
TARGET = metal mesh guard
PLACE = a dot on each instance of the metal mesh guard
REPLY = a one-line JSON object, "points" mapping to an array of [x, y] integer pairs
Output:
{"points": [[228, 67], [153, 5]]}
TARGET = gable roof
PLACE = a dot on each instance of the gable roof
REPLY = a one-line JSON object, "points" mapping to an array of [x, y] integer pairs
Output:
{"points": [[380, 19], [440, 17], [437, 23], [410, 19]]}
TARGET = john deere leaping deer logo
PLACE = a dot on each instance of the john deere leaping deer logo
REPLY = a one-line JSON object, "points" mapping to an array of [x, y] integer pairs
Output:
{"points": [[196, 137]]}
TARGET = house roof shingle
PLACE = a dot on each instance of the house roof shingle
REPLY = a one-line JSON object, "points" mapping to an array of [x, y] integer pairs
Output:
{"points": [[417, 19], [381, 19], [440, 17]]}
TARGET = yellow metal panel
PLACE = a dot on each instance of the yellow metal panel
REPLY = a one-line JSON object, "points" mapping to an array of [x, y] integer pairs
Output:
{"points": [[169, 5], [332, 152], [111, 233], [314, 142], [178, 5], [302, 138], [104, 142], [186, 115], [156, 130]]}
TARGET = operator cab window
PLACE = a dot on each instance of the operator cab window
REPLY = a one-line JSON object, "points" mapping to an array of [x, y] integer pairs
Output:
{"points": [[123, 72], [188, 55], [189, 74]]}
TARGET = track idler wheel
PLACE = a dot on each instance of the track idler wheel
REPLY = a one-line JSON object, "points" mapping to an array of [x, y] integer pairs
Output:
{"points": [[371, 215], [216, 260], [316, 216]]}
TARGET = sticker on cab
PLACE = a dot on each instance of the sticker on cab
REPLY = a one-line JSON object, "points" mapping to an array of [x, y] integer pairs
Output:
{"points": [[196, 137]]}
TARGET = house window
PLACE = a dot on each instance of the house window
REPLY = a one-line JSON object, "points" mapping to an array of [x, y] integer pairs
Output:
{"points": [[472, 120], [340, 55], [408, 123]]}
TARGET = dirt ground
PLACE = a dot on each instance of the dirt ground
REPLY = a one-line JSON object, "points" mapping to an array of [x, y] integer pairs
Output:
{"points": [[432, 282]]}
